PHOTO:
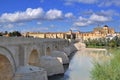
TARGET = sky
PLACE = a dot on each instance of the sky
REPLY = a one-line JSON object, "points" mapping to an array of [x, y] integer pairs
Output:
{"points": [[58, 15]]}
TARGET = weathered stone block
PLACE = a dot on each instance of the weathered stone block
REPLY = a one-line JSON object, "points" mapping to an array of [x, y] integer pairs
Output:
{"points": [[53, 65], [61, 54], [30, 73], [67, 50]]}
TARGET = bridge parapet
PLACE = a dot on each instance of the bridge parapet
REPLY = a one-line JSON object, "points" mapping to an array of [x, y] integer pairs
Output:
{"points": [[22, 51], [24, 40]]}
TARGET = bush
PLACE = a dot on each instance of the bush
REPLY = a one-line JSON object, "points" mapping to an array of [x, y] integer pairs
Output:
{"points": [[107, 70], [103, 42]]}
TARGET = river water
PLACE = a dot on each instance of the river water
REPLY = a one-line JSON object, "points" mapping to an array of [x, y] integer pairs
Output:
{"points": [[80, 66]]}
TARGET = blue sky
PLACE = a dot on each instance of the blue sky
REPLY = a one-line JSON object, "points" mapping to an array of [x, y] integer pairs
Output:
{"points": [[58, 15]]}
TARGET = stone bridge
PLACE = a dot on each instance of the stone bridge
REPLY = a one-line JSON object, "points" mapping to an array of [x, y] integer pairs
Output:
{"points": [[29, 58]]}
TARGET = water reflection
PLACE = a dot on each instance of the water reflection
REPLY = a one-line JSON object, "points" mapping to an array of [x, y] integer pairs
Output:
{"points": [[81, 65]]}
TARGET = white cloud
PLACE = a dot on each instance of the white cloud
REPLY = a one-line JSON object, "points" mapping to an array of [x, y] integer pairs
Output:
{"points": [[20, 24], [107, 12], [52, 26], [75, 28], [81, 1], [107, 3], [88, 12], [79, 23], [53, 14], [82, 22], [82, 18], [39, 23], [93, 19], [67, 3], [99, 18], [69, 15], [100, 3], [9, 26], [29, 14]]}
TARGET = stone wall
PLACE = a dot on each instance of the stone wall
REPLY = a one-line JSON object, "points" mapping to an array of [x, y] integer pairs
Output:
{"points": [[21, 51], [27, 55]]}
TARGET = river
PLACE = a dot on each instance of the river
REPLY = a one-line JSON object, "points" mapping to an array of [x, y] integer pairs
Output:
{"points": [[80, 66]]}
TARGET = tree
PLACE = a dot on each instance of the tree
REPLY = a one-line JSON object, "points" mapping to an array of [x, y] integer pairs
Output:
{"points": [[5, 33], [15, 34], [1, 34]]}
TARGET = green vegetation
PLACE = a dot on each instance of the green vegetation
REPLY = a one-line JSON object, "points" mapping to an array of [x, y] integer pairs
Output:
{"points": [[11, 34], [109, 70], [15, 34], [106, 70], [103, 42]]}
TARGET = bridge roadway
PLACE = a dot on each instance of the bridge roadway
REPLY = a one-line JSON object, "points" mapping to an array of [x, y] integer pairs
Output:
{"points": [[20, 51]]}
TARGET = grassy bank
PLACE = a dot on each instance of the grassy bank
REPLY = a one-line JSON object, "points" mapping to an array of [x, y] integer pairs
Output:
{"points": [[109, 70]]}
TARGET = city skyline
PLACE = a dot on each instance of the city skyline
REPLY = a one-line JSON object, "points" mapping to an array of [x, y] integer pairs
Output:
{"points": [[58, 15]]}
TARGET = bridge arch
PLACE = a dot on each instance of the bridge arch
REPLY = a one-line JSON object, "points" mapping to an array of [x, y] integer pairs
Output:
{"points": [[34, 58], [48, 51], [56, 47], [7, 64]]}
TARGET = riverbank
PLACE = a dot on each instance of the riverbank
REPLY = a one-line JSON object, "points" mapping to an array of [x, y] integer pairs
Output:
{"points": [[108, 71]]}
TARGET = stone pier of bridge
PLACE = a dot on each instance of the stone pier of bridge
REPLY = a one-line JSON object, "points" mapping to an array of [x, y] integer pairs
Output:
{"points": [[33, 58]]}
